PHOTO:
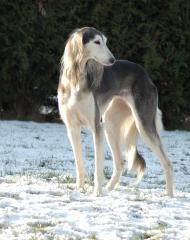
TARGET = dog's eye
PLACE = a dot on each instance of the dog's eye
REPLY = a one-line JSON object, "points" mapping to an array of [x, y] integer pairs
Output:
{"points": [[97, 42]]}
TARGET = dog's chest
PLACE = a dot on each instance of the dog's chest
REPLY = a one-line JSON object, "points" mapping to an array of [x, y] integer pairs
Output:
{"points": [[82, 109]]}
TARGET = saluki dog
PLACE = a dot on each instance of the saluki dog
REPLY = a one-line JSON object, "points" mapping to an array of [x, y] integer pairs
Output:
{"points": [[115, 97]]}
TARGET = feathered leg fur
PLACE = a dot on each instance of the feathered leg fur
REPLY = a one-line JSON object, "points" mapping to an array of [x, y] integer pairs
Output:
{"points": [[121, 134]]}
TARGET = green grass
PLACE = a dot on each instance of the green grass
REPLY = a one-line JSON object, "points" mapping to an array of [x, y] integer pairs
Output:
{"points": [[92, 236], [74, 238], [107, 172]]}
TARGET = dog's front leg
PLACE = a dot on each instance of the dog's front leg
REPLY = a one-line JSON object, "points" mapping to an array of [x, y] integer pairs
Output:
{"points": [[99, 155], [74, 136]]}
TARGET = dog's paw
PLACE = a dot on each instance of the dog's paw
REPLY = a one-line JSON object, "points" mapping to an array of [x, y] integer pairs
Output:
{"points": [[97, 192], [170, 194], [109, 186], [79, 185]]}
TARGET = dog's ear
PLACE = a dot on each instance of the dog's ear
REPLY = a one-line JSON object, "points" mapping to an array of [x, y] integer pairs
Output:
{"points": [[94, 71], [73, 55], [77, 47], [74, 49], [90, 74]]}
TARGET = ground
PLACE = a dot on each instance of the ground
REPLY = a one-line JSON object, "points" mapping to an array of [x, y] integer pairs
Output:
{"points": [[38, 200]]}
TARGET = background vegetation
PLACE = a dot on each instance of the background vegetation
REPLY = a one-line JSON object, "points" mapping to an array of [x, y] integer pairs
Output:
{"points": [[154, 33]]}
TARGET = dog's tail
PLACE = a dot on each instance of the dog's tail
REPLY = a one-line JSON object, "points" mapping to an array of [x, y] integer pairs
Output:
{"points": [[136, 162]]}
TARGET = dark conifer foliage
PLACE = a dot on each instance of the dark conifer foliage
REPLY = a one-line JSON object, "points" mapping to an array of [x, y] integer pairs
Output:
{"points": [[153, 33]]}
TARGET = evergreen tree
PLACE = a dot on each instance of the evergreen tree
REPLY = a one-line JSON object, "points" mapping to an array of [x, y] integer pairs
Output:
{"points": [[153, 33]]}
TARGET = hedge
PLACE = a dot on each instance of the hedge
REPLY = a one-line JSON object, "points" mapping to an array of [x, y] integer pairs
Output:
{"points": [[154, 33]]}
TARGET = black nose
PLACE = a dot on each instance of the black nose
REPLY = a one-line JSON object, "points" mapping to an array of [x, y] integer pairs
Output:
{"points": [[112, 60]]}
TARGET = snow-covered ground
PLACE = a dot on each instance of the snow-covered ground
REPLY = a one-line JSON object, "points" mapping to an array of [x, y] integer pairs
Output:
{"points": [[38, 199]]}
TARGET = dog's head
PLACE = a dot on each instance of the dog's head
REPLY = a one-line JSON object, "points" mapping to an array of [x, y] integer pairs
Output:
{"points": [[83, 45], [95, 44], [88, 43]]}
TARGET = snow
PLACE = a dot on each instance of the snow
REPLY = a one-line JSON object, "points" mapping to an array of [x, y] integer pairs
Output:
{"points": [[38, 199]]}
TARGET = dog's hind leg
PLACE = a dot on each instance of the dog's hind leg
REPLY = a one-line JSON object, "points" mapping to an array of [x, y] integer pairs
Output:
{"points": [[121, 134], [155, 144], [114, 117], [118, 162], [147, 120]]}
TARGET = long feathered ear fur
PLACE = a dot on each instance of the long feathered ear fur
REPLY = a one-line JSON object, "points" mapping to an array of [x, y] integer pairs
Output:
{"points": [[72, 58], [95, 71]]}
